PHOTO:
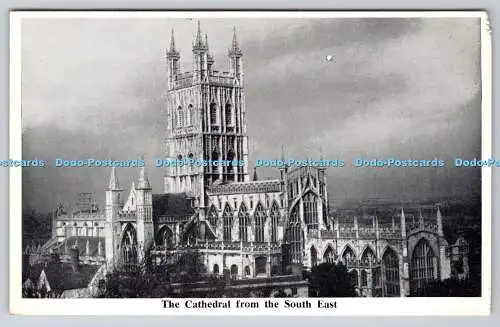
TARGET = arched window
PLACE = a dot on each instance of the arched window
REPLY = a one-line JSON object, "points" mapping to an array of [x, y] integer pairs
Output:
{"points": [[128, 245], [364, 278], [227, 218], [212, 217], [190, 115], [243, 219], [179, 117], [294, 237], [310, 211], [229, 114], [215, 156], [314, 256], [260, 265], [165, 237], [247, 271], [348, 257], [234, 271], [423, 265], [275, 216], [213, 114], [216, 269], [390, 264], [368, 258], [329, 255], [354, 277], [260, 220], [230, 157]]}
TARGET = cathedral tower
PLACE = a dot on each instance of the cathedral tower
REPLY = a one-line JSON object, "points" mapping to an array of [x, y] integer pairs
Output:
{"points": [[206, 119], [112, 225]]}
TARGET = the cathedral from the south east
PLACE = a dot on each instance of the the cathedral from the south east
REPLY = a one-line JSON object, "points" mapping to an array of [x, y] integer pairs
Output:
{"points": [[247, 227]]}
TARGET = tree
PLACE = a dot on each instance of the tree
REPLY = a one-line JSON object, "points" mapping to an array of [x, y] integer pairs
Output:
{"points": [[451, 287], [331, 280]]}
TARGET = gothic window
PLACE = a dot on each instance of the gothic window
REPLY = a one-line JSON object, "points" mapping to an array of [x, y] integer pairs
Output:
{"points": [[390, 263], [368, 258], [215, 156], [314, 256], [260, 265], [180, 120], [294, 237], [247, 271], [165, 237], [354, 277], [216, 269], [229, 114], [227, 218], [329, 255], [364, 278], [260, 220], [243, 218], [234, 271], [213, 114], [275, 216], [310, 211], [128, 245], [190, 115], [212, 217], [348, 257], [230, 157], [423, 265]]}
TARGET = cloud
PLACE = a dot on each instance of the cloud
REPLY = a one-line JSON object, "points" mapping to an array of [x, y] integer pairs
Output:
{"points": [[406, 87]]}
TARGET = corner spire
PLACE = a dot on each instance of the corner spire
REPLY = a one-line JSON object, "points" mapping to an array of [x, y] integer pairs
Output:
{"points": [[143, 182], [255, 177], [235, 48], [113, 181], [198, 43], [172, 41]]}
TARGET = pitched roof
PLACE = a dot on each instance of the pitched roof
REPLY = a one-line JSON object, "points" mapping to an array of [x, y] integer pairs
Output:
{"points": [[81, 243], [173, 205], [62, 277]]}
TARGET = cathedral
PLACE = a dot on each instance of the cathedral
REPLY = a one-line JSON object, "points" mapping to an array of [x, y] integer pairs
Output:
{"points": [[240, 225]]}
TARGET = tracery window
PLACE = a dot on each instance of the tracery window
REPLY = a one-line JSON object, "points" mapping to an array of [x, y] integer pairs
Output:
{"points": [[227, 217], [368, 258], [275, 216], [229, 114], [243, 219], [294, 237], [190, 115], [423, 265], [364, 278], [213, 114], [212, 217], [348, 257], [310, 211], [260, 220], [390, 264], [179, 117], [329, 255], [314, 256]]}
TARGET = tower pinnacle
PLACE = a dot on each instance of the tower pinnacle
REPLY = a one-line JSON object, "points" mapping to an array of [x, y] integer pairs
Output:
{"points": [[113, 181], [198, 43], [143, 182], [235, 48], [172, 42]]}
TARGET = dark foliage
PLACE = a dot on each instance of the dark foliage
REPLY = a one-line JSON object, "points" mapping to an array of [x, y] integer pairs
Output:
{"points": [[331, 280], [451, 287]]}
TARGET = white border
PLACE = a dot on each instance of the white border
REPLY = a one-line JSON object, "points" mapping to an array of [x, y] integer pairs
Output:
{"points": [[345, 306]]}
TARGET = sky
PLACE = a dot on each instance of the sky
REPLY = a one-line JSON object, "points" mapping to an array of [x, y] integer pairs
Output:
{"points": [[402, 88]]}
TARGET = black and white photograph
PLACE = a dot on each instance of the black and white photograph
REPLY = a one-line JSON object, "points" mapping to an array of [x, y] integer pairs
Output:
{"points": [[249, 161]]}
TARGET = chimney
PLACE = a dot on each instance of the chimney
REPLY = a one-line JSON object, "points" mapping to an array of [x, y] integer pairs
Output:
{"points": [[75, 260]]}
